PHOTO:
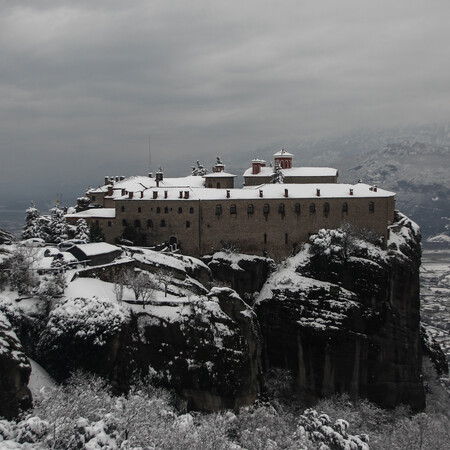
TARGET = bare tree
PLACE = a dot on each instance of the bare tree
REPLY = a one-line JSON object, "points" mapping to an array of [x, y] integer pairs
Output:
{"points": [[141, 284], [165, 276]]}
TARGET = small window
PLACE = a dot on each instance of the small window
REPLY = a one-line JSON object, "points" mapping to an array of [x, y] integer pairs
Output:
{"points": [[163, 223], [122, 208], [326, 208], [297, 208], [312, 207], [218, 185], [250, 209], [166, 210], [93, 198], [188, 224], [137, 223], [139, 209], [124, 222], [266, 208], [233, 209], [281, 208], [345, 207], [96, 222], [149, 223], [109, 223], [191, 210], [372, 207], [158, 210], [218, 210], [180, 210], [265, 238], [285, 238]]}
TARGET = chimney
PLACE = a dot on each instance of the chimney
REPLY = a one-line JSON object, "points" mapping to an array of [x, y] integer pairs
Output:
{"points": [[116, 178], [286, 194], [165, 194], [375, 188], [130, 194], [142, 194], [260, 193], [124, 191], [181, 194], [228, 193], [351, 191], [150, 175], [110, 190], [186, 194], [318, 192], [155, 194], [107, 180]]}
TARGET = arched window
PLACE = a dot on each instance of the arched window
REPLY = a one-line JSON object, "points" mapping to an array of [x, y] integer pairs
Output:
{"points": [[149, 223], [297, 208], [166, 210], [158, 210], [326, 208], [109, 223], [345, 207], [188, 224], [371, 206], [122, 208], [312, 207], [266, 208], [180, 210], [233, 209], [137, 223], [139, 209], [191, 210], [281, 208], [218, 210], [124, 222], [218, 185], [163, 223], [250, 208]]}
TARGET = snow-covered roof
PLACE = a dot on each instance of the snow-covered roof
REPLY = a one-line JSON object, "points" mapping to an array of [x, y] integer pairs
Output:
{"points": [[97, 248], [92, 213], [282, 152], [219, 175], [264, 172], [309, 172], [270, 191]]}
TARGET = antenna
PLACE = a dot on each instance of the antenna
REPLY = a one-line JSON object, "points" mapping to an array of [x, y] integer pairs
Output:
{"points": [[149, 156]]}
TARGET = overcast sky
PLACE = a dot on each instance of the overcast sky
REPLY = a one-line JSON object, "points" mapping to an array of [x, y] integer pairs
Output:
{"points": [[84, 83]]}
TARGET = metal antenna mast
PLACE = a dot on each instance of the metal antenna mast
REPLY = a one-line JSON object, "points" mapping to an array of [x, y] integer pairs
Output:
{"points": [[149, 156]]}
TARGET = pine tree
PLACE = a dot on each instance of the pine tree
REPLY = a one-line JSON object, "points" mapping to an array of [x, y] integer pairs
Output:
{"points": [[96, 233], [58, 226], [277, 173], [82, 231], [199, 171], [33, 226]]}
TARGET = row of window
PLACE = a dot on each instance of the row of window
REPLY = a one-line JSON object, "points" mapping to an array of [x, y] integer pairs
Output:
{"points": [[281, 208], [137, 223], [159, 210]]}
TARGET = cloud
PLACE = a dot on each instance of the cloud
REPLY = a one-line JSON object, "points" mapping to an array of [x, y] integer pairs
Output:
{"points": [[84, 83]]}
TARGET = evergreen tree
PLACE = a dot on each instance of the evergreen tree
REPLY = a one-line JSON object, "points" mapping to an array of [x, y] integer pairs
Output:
{"points": [[82, 231], [199, 171], [33, 226], [96, 233], [277, 173], [58, 230]]}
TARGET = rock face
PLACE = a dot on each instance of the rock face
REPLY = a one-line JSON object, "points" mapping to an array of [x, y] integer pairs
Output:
{"points": [[343, 316], [207, 349], [15, 372], [245, 274]]}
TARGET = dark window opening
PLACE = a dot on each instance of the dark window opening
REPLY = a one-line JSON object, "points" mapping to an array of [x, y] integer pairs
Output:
{"points": [[163, 223], [109, 223], [265, 238], [266, 208], [137, 223], [188, 224], [250, 209], [180, 210], [312, 207], [281, 208], [139, 209], [371, 206], [218, 210], [158, 210], [149, 223], [233, 209], [191, 210], [345, 207], [285, 238], [166, 210], [93, 198], [218, 185], [124, 222], [297, 208], [326, 208], [122, 208]]}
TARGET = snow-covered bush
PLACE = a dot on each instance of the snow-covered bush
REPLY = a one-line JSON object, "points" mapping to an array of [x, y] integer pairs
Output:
{"points": [[58, 231], [51, 286], [89, 320], [20, 268], [82, 231], [33, 224]]}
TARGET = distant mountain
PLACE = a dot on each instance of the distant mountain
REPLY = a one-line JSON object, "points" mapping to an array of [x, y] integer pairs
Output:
{"points": [[418, 172]]}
